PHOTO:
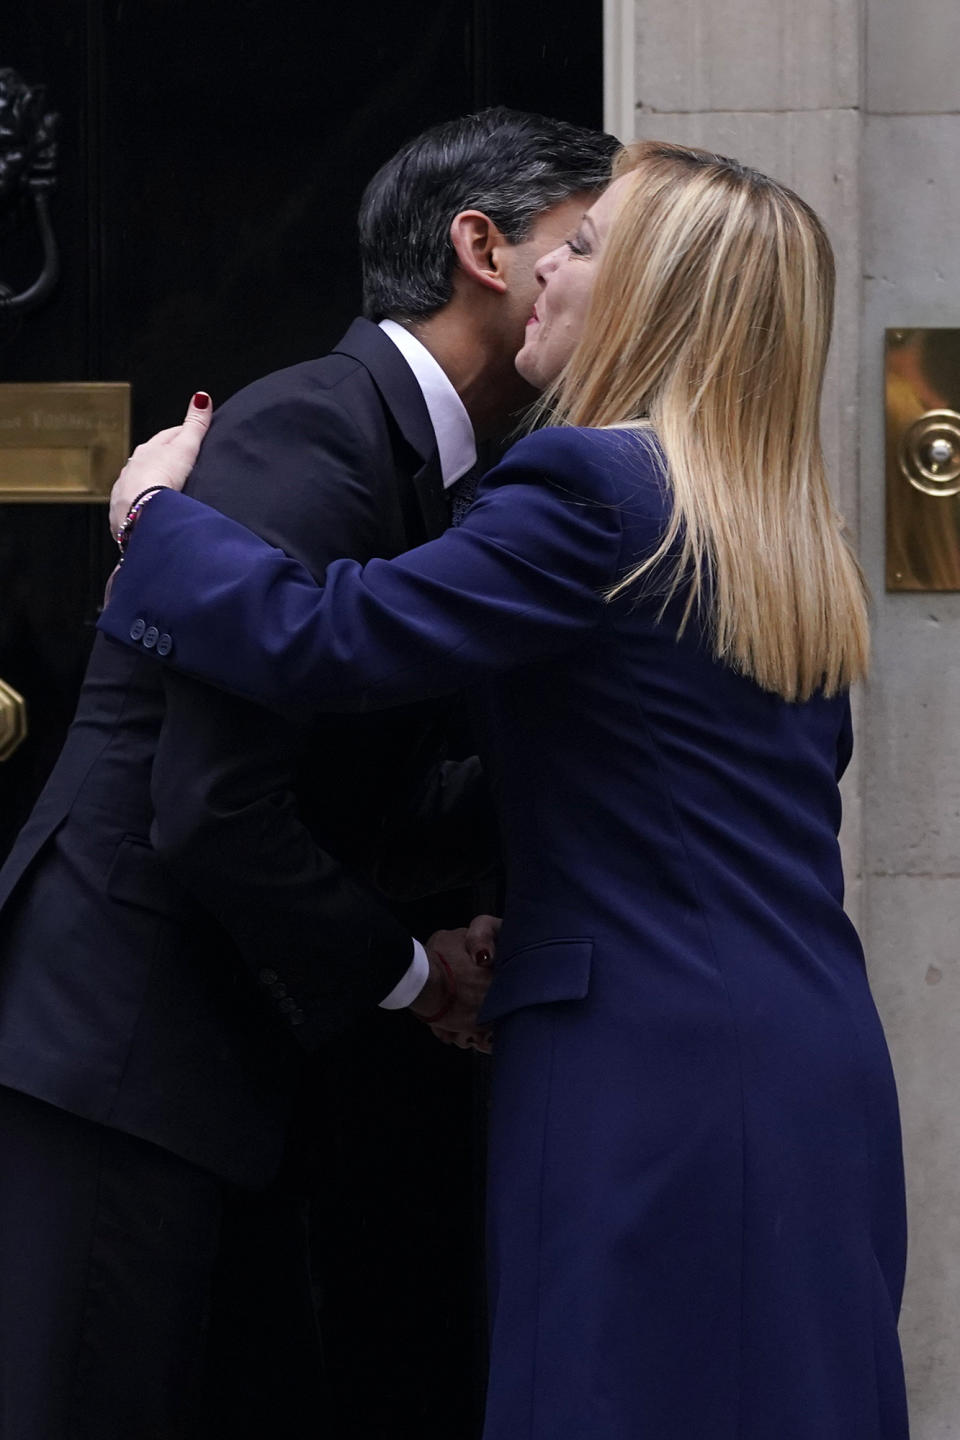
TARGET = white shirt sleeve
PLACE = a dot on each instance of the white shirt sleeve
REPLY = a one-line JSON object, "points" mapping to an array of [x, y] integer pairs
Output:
{"points": [[409, 986]]}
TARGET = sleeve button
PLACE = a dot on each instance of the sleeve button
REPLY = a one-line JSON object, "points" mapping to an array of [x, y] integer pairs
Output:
{"points": [[150, 637], [268, 977], [137, 629], [164, 644]]}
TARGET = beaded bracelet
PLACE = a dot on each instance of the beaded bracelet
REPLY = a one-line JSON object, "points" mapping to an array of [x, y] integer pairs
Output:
{"points": [[122, 536], [451, 999]]}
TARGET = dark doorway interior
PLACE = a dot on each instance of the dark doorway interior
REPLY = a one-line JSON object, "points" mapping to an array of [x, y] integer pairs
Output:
{"points": [[211, 161]]}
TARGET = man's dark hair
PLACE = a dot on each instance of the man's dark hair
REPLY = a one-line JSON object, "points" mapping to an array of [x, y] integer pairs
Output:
{"points": [[510, 165]]}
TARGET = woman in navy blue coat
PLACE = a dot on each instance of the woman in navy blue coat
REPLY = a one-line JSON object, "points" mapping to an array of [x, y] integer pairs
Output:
{"points": [[696, 1194]]}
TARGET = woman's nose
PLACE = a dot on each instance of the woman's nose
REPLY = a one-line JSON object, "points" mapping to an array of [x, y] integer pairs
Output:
{"points": [[546, 265]]}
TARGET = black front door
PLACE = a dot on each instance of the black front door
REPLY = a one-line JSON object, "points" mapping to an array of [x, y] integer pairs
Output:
{"points": [[211, 157]]}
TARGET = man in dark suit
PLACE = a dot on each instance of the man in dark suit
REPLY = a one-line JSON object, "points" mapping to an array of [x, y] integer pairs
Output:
{"points": [[167, 964]]}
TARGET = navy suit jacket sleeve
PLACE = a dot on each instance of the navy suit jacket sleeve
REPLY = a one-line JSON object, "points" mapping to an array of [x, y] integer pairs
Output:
{"points": [[522, 578]]}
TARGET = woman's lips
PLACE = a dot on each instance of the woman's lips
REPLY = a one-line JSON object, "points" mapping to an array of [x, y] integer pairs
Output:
{"points": [[534, 319]]}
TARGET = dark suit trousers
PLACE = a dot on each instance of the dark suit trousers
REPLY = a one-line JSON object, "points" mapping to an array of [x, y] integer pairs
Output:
{"points": [[141, 1298]]}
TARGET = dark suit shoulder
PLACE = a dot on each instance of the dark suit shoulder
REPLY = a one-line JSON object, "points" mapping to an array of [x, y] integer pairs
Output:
{"points": [[308, 458], [332, 382]]}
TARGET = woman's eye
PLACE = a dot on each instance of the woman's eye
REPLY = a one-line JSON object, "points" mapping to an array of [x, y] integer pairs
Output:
{"points": [[576, 245]]}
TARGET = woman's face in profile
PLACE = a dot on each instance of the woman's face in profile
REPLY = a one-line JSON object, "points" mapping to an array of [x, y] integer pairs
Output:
{"points": [[566, 276]]}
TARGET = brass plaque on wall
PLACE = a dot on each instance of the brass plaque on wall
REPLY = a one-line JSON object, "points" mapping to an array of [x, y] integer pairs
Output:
{"points": [[923, 459], [62, 442]]}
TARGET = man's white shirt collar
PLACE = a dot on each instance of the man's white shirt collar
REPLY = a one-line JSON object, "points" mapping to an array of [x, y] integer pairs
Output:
{"points": [[456, 445]]}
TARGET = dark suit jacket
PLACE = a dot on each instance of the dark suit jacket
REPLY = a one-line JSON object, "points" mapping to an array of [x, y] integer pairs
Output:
{"points": [[696, 1191], [166, 964]]}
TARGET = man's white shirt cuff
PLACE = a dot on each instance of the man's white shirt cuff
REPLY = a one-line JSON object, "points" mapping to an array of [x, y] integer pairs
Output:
{"points": [[406, 990]]}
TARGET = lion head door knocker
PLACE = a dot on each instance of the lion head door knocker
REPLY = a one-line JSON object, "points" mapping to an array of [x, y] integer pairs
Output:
{"points": [[28, 159]]}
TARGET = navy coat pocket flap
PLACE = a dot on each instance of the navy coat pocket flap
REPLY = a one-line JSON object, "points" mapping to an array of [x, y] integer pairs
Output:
{"points": [[539, 975]]}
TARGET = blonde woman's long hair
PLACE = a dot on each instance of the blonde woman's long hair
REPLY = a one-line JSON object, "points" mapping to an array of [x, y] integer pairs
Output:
{"points": [[709, 324]]}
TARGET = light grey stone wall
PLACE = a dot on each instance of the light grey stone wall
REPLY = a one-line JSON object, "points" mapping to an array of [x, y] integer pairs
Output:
{"points": [[856, 104]]}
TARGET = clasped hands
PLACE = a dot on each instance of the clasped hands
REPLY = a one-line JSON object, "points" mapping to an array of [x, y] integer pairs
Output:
{"points": [[460, 974]]}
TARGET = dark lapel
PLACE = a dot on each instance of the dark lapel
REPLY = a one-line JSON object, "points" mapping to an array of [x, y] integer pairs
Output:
{"points": [[402, 396]]}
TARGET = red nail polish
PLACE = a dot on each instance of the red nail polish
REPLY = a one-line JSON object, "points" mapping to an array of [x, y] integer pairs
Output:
{"points": [[201, 400]]}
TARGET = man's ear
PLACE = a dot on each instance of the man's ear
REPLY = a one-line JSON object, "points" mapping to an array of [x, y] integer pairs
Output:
{"points": [[479, 247]]}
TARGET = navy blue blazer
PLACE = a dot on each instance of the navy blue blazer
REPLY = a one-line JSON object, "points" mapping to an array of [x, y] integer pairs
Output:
{"points": [[696, 1209]]}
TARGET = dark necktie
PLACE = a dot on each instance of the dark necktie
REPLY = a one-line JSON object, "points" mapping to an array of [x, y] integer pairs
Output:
{"points": [[461, 494]]}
